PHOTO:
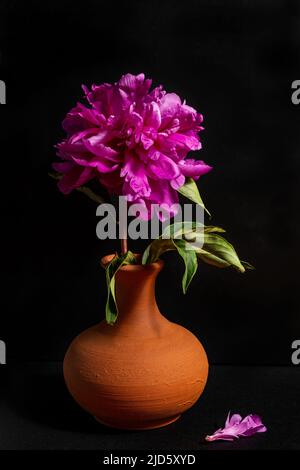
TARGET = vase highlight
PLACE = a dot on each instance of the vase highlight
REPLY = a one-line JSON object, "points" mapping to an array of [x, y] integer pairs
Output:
{"points": [[143, 372]]}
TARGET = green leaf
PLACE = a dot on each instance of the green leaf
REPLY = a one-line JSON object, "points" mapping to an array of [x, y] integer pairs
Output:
{"points": [[55, 176], [116, 263], [190, 260], [179, 229], [153, 251], [91, 195], [160, 246], [212, 229], [218, 252], [191, 191], [207, 244], [247, 265], [212, 259]]}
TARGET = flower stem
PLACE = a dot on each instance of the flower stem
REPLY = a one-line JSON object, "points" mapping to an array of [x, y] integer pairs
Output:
{"points": [[124, 246], [123, 229]]}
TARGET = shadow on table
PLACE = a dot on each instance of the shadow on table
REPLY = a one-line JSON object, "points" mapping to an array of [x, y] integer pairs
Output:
{"points": [[38, 392]]}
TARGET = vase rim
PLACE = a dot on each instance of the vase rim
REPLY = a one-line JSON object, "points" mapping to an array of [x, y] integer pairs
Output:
{"points": [[132, 267]]}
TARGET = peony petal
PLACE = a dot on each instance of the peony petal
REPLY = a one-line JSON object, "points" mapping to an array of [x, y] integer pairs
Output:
{"points": [[176, 183], [131, 82], [253, 425], [232, 420], [146, 141], [63, 167], [78, 136], [152, 117], [184, 141], [255, 419], [66, 150], [135, 85], [219, 436], [136, 182], [101, 165], [74, 179], [162, 167], [169, 106], [119, 101], [236, 427], [100, 97], [94, 144], [81, 118], [189, 118], [67, 147], [193, 168], [156, 94], [249, 432], [163, 193]]}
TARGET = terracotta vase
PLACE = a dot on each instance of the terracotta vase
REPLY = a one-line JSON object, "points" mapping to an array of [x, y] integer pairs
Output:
{"points": [[143, 372]]}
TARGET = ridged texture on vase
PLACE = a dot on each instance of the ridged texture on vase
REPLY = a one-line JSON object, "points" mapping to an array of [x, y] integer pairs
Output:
{"points": [[144, 371]]}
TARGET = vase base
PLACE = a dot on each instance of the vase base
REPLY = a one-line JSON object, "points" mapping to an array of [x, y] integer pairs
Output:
{"points": [[160, 423]]}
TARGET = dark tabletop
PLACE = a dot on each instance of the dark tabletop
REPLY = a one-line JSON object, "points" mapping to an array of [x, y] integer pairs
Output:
{"points": [[37, 412]]}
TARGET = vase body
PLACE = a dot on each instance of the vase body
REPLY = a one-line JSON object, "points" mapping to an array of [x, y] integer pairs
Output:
{"points": [[143, 372]]}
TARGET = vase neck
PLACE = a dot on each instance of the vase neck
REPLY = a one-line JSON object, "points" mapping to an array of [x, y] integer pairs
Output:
{"points": [[135, 295]]}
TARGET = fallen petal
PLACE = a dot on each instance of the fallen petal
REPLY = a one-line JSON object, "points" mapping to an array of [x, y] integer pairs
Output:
{"points": [[236, 427]]}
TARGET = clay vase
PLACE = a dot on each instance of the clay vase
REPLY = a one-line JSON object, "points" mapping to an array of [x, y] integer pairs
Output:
{"points": [[144, 371]]}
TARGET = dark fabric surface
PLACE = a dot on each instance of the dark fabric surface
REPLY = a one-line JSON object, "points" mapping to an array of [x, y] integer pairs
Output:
{"points": [[38, 413]]}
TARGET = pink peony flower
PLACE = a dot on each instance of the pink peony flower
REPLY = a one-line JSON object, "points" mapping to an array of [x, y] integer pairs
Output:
{"points": [[236, 427], [132, 140]]}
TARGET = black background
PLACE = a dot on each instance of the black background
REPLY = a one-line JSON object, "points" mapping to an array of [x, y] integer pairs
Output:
{"points": [[232, 60]]}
